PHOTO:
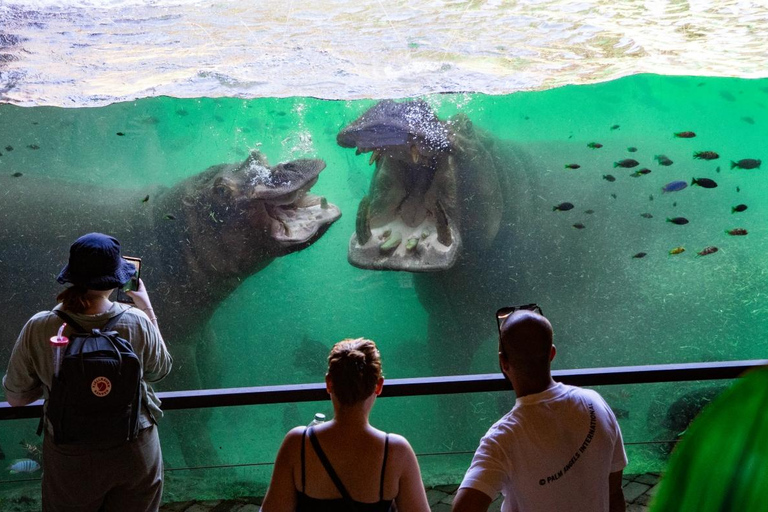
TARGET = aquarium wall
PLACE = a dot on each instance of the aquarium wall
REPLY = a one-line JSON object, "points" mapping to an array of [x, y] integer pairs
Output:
{"points": [[577, 215]]}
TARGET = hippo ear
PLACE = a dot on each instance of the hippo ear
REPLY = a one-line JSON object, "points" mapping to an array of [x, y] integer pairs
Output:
{"points": [[257, 157], [188, 201]]}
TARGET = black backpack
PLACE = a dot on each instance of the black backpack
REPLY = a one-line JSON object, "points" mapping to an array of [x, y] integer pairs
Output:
{"points": [[96, 397]]}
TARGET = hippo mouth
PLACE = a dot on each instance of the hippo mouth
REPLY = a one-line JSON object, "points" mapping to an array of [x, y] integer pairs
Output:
{"points": [[293, 215], [298, 217], [408, 220]]}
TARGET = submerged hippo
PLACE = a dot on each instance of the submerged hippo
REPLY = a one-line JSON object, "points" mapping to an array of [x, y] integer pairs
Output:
{"points": [[441, 203], [198, 241]]}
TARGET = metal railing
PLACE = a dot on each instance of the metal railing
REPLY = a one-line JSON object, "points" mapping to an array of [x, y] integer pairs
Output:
{"points": [[619, 375]]}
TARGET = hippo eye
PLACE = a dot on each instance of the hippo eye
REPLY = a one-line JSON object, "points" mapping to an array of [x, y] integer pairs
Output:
{"points": [[222, 190], [290, 166]]}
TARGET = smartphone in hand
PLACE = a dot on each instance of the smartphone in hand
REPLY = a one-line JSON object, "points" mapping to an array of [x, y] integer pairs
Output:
{"points": [[132, 284]]}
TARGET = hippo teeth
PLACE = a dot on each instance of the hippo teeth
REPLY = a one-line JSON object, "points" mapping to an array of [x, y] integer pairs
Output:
{"points": [[375, 155]]}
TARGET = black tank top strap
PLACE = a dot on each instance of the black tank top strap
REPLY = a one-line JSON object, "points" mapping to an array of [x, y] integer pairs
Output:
{"points": [[303, 473], [383, 467], [328, 468]]}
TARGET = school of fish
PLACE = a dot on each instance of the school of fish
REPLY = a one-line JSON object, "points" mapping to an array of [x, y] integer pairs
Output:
{"points": [[671, 187]]}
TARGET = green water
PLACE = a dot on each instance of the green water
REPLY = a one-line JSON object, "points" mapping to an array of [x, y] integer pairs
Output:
{"points": [[607, 307]]}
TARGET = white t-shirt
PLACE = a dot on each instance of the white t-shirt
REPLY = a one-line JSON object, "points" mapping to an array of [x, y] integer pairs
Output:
{"points": [[552, 452]]}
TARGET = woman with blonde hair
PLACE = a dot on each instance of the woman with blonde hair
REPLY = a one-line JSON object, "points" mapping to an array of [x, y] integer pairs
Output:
{"points": [[346, 464]]}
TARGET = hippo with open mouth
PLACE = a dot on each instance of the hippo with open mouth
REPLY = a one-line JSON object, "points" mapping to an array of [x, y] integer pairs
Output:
{"points": [[441, 204], [198, 240], [438, 186]]}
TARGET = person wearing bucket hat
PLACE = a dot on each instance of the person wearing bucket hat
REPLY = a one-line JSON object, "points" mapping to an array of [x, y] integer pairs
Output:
{"points": [[130, 475], [95, 263]]}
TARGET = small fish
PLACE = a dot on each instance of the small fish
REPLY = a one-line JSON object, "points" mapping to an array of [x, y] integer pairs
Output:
{"points": [[674, 186], [685, 135], [708, 250], [579, 225], [23, 466], [738, 208], [632, 149], [677, 250], [680, 221], [704, 182], [609, 177], [746, 163], [594, 145], [589, 212], [641, 172], [706, 155], [663, 160], [748, 120], [33, 146], [650, 197], [120, 134], [9, 148], [640, 255], [674, 205], [614, 196], [646, 215], [620, 413], [572, 166], [562, 207], [311, 356], [615, 127], [168, 216], [146, 198], [736, 232], [181, 112], [17, 174], [717, 169], [738, 188], [627, 163]]}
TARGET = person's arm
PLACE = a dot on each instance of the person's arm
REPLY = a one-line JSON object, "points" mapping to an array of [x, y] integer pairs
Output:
{"points": [[21, 383], [470, 500], [411, 496], [20, 399], [141, 301], [156, 360], [281, 494], [616, 493]]}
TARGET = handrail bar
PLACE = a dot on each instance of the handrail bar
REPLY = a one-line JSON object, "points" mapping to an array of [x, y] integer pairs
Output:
{"points": [[452, 384]]}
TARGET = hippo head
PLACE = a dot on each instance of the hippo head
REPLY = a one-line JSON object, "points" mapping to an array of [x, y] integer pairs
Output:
{"points": [[243, 215], [409, 220]]}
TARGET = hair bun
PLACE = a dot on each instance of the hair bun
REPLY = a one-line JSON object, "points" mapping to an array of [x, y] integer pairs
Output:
{"points": [[354, 367], [356, 358]]}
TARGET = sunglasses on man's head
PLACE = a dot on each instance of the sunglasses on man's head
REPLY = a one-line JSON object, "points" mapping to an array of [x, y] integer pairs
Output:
{"points": [[504, 312]]}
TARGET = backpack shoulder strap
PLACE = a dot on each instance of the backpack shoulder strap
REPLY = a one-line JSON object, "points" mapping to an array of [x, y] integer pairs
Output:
{"points": [[328, 468], [78, 328], [112, 322], [70, 322]]}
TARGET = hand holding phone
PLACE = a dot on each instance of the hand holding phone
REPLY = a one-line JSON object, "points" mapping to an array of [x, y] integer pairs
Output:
{"points": [[133, 284]]}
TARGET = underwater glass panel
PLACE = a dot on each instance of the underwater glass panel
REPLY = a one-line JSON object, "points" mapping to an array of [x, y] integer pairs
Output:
{"points": [[250, 274]]}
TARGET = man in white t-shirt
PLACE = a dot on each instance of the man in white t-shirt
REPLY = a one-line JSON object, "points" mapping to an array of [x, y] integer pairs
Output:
{"points": [[560, 447]]}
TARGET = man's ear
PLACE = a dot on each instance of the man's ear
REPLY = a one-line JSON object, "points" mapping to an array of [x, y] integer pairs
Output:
{"points": [[552, 353], [328, 384], [503, 363], [379, 385]]}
